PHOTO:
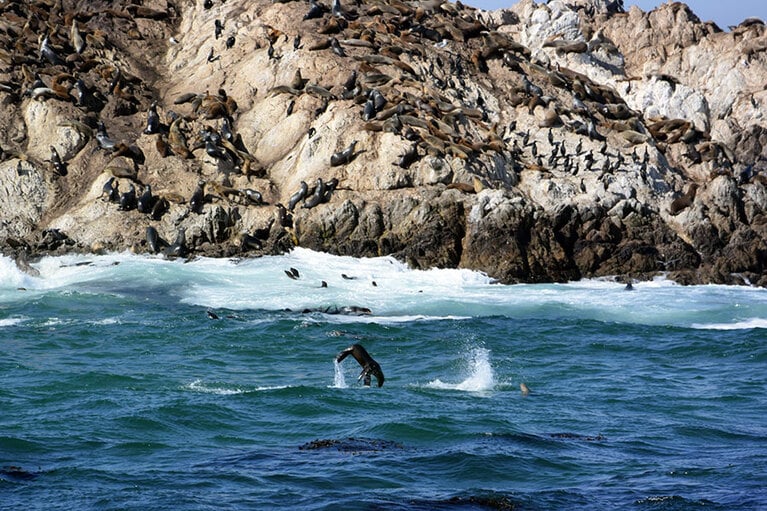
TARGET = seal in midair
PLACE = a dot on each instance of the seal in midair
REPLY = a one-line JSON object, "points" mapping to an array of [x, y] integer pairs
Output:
{"points": [[298, 196], [369, 366]]}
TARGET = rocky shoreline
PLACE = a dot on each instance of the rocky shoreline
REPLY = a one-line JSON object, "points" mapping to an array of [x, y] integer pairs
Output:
{"points": [[545, 142]]}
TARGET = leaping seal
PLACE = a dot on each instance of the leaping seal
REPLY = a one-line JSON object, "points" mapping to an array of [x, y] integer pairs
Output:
{"points": [[369, 366]]}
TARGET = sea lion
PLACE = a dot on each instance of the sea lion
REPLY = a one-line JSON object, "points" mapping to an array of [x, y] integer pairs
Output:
{"points": [[198, 198], [409, 157], [179, 248], [145, 201], [110, 190], [103, 139], [298, 196], [154, 241], [317, 196], [685, 201], [369, 366], [128, 199], [253, 196], [343, 157], [48, 53]]}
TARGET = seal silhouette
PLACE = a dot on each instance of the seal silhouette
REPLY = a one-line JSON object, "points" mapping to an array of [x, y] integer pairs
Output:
{"points": [[369, 366]]}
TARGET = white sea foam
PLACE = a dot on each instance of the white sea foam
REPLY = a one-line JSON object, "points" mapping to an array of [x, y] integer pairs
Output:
{"points": [[399, 294], [223, 390], [738, 325], [11, 321], [106, 321], [199, 386]]}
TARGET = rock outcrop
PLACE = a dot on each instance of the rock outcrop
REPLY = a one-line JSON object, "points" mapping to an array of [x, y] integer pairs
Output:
{"points": [[545, 142]]}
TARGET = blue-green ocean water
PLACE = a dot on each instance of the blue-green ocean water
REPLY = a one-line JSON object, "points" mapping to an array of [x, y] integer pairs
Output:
{"points": [[118, 391]]}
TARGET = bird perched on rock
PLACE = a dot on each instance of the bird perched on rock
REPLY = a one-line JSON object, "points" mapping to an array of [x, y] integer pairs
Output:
{"points": [[152, 120]]}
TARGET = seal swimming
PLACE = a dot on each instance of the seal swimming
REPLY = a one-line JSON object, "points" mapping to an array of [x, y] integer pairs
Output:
{"points": [[369, 366]]}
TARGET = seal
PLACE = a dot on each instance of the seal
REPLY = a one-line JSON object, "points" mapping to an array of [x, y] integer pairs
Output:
{"points": [[369, 366], [154, 241], [685, 201], [128, 199], [343, 157], [145, 201], [178, 248], [198, 198], [298, 196], [317, 196]]}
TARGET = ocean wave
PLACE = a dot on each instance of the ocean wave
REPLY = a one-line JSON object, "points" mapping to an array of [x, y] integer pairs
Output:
{"points": [[747, 324], [393, 292], [224, 390], [6, 322], [199, 386]]}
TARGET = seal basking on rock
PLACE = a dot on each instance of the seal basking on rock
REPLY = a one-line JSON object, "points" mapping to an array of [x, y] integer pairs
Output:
{"points": [[369, 366]]}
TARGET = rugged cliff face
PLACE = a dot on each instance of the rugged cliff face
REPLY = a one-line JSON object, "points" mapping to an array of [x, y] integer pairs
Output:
{"points": [[544, 142]]}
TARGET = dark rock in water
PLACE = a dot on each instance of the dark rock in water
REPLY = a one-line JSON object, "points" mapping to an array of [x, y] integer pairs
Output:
{"points": [[347, 310], [351, 445]]}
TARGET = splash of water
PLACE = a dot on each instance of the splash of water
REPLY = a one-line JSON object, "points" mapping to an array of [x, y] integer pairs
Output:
{"points": [[339, 381], [481, 376]]}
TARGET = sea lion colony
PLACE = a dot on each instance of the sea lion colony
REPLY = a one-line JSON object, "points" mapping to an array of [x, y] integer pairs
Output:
{"points": [[402, 69]]}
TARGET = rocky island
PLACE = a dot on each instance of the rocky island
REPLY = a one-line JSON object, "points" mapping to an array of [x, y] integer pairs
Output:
{"points": [[539, 143]]}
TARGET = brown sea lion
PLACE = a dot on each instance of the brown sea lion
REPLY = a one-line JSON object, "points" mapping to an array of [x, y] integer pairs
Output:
{"points": [[369, 366]]}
